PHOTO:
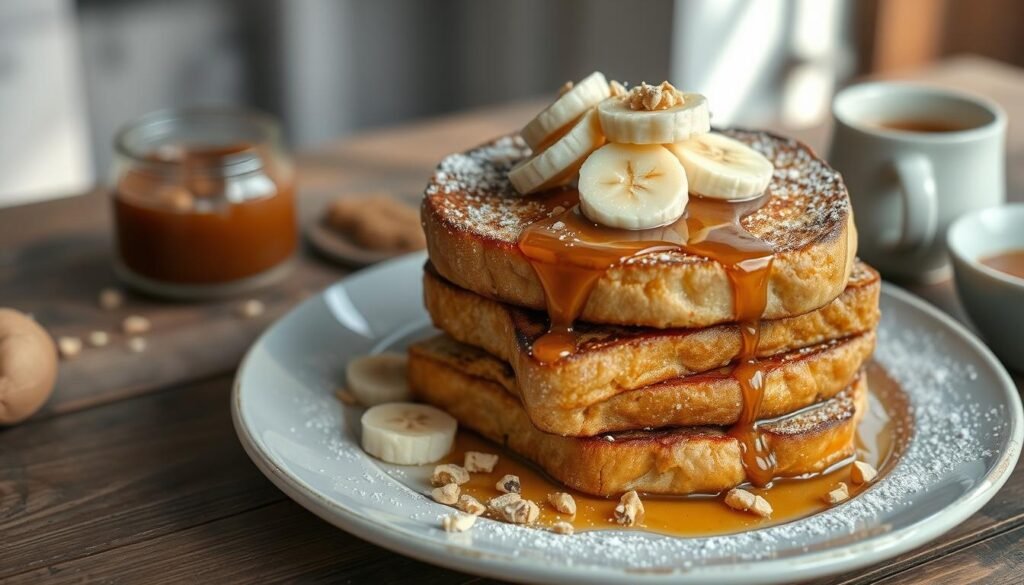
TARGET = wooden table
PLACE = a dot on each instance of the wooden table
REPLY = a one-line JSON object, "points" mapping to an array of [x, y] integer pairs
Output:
{"points": [[132, 472]]}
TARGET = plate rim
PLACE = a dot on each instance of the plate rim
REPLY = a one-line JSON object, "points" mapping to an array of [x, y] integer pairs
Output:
{"points": [[817, 564]]}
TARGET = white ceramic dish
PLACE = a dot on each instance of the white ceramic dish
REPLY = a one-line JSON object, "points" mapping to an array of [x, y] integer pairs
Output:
{"points": [[993, 299], [307, 444]]}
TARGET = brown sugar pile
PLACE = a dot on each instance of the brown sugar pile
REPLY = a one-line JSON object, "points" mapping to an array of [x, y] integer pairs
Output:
{"points": [[376, 222]]}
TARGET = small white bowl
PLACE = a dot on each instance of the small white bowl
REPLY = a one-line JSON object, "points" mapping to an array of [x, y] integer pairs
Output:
{"points": [[993, 299]]}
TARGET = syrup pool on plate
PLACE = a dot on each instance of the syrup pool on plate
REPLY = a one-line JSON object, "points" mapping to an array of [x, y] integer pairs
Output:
{"points": [[882, 435]]}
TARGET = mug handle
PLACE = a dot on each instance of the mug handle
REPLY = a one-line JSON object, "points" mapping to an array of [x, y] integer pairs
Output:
{"points": [[920, 201]]}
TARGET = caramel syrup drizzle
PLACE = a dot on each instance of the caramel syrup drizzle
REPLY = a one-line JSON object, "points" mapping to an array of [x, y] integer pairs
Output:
{"points": [[569, 254]]}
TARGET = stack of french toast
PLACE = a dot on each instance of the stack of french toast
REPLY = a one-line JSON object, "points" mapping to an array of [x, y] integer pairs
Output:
{"points": [[687, 366]]}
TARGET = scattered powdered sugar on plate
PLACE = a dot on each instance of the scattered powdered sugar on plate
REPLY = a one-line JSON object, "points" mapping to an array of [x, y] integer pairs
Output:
{"points": [[951, 430]]}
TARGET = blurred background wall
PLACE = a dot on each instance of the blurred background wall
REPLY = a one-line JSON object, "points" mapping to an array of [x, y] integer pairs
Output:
{"points": [[73, 71]]}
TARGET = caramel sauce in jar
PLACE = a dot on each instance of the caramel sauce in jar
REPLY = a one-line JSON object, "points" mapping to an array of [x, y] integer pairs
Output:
{"points": [[570, 253], [882, 436], [204, 203]]}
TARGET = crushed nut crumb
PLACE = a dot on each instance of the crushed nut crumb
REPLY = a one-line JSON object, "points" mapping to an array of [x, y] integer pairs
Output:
{"points": [[617, 89], [98, 338], [458, 522], [251, 308], [861, 473], [446, 494], [562, 527], [521, 512], [654, 97], [470, 505], [744, 501], [563, 502], [135, 324], [477, 462], [839, 494], [69, 347], [449, 473], [509, 484], [499, 503], [110, 299], [568, 85], [630, 510], [137, 344]]}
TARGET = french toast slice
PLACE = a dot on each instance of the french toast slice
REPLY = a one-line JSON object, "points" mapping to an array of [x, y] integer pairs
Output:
{"points": [[792, 381], [473, 218], [610, 359], [671, 461]]}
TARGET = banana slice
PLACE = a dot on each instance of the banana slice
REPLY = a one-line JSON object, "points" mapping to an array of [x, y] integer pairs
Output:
{"points": [[722, 168], [376, 379], [559, 162], [405, 433], [567, 108], [633, 186], [623, 124]]}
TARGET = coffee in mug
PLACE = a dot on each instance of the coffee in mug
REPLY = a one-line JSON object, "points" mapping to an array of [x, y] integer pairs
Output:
{"points": [[915, 158]]}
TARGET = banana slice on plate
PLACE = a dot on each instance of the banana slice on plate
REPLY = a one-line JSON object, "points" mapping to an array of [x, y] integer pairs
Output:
{"points": [[558, 163], [376, 379], [621, 123], [719, 167], [405, 433], [633, 186], [569, 106]]}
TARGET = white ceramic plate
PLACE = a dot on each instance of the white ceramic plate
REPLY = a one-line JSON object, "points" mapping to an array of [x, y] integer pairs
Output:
{"points": [[966, 441]]}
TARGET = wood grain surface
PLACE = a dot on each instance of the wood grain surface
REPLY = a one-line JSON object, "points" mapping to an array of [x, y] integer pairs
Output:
{"points": [[133, 473]]}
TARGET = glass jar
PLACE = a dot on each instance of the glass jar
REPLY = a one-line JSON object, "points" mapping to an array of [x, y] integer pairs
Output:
{"points": [[204, 203]]}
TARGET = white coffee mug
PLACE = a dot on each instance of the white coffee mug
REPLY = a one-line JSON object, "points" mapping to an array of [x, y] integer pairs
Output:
{"points": [[914, 158]]}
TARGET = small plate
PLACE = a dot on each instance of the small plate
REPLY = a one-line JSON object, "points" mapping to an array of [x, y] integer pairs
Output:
{"points": [[966, 441]]}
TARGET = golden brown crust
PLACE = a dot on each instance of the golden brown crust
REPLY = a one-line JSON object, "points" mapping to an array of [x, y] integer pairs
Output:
{"points": [[792, 381], [472, 219], [613, 357], [675, 461]]}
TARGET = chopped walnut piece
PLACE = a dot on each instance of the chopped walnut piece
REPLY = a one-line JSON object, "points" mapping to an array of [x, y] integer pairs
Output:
{"points": [[345, 397], [744, 501], [99, 338], [135, 324], [111, 298], [449, 473], [565, 88], [521, 512], [69, 347], [499, 503], [447, 494], [617, 89], [458, 522], [839, 494], [477, 462], [562, 502], [470, 505], [654, 97], [509, 484], [861, 473], [251, 308], [562, 527], [630, 510]]}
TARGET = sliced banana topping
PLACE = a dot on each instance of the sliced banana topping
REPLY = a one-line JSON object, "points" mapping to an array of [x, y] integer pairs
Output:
{"points": [[632, 186], [722, 168], [405, 433], [376, 379], [624, 124], [572, 102], [559, 162]]}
